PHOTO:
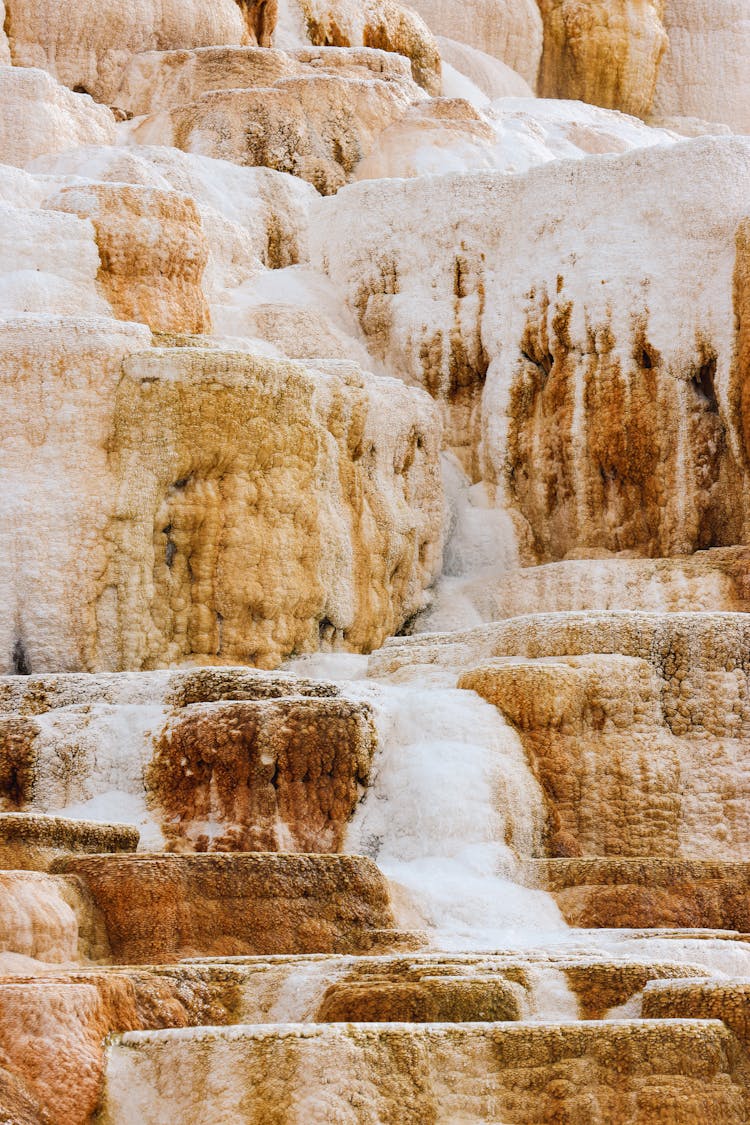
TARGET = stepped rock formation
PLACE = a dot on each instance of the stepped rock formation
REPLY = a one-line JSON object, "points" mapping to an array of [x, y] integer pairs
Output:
{"points": [[374, 562]]}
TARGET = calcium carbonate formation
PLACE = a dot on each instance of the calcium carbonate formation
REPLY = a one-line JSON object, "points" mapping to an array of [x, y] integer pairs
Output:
{"points": [[375, 562]]}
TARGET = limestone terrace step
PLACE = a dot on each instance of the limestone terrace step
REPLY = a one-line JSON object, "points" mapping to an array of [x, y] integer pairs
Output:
{"points": [[160, 907], [625, 1071], [30, 841]]}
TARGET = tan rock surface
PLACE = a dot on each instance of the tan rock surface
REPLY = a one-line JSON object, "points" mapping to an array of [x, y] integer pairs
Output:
{"points": [[384, 24], [152, 253], [48, 918], [607, 52], [29, 842], [726, 1000], [261, 776], [87, 47], [315, 119], [632, 893], [631, 763], [705, 35], [568, 386]]}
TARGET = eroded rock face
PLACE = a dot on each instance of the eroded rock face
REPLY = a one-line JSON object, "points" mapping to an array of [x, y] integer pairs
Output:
{"points": [[630, 767], [384, 24], [29, 842], [152, 253], [634, 893], [203, 762], [176, 441], [314, 116], [607, 53], [281, 776], [606, 421], [88, 48], [633, 724]]}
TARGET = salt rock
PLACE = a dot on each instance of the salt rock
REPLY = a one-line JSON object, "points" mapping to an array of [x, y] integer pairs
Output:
{"points": [[607, 52], [87, 48], [706, 37], [37, 115], [152, 253], [384, 24], [602, 383], [505, 29], [185, 522], [316, 121]]}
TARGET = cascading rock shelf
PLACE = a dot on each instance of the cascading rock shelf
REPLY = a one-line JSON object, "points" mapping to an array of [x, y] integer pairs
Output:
{"points": [[375, 562]]}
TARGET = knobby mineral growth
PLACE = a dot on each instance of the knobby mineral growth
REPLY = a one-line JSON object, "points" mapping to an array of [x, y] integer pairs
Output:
{"points": [[375, 562]]}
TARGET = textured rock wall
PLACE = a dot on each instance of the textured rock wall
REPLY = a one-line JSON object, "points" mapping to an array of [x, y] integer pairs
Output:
{"points": [[87, 47], [518, 1072], [705, 35], [233, 905], [157, 555], [596, 391], [607, 53]]}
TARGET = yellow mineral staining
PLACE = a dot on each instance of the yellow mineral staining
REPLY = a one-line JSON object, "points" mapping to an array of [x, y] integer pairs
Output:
{"points": [[246, 508], [629, 1072], [607, 52], [384, 24], [152, 251]]}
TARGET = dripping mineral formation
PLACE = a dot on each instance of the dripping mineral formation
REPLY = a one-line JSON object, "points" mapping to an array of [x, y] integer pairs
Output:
{"points": [[375, 562]]}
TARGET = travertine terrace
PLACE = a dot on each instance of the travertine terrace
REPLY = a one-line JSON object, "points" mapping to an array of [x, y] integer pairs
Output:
{"points": [[375, 562]]}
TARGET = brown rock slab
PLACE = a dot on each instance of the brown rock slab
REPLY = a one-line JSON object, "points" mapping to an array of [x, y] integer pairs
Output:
{"points": [[644, 893], [30, 841], [165, 907]]}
